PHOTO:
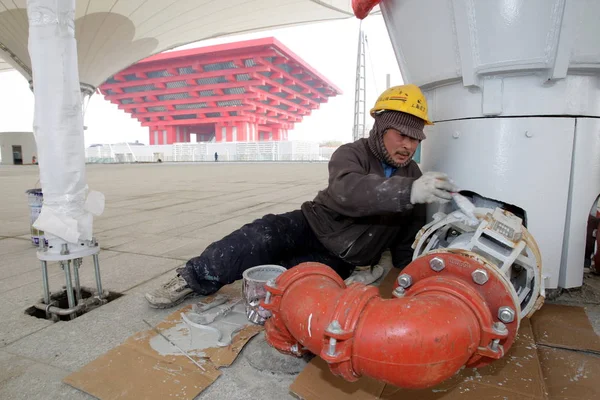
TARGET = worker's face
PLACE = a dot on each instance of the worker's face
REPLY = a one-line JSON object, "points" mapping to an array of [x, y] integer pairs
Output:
{"points": [[400, 147]]}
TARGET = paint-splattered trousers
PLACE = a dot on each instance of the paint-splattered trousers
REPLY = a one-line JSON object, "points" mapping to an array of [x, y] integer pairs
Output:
{"points": [[284, 239]]}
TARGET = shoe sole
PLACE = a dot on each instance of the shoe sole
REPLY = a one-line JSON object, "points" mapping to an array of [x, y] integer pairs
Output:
{"points": [[173, 304]]}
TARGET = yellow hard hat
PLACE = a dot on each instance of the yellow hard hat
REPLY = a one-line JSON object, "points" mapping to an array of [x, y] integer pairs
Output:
{"points": [[405, 98]]}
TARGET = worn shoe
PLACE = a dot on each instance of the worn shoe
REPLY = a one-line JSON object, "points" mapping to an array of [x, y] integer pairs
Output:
{"points": [[170, 294], [366, 275]]}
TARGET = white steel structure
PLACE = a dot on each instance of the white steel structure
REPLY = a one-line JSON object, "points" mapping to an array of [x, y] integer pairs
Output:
{"points": [[514, 92]]}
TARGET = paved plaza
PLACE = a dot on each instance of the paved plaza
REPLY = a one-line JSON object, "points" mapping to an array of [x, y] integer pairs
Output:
{"points": [[157, 216]]}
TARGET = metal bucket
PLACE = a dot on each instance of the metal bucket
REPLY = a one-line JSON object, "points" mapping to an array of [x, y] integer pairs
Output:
{"points": [[35, 199], [253, 290]]}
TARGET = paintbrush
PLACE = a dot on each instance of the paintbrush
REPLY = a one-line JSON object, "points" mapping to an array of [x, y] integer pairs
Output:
{"points": [[465, 206]]}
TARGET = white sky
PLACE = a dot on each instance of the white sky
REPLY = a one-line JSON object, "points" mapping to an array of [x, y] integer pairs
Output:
{"points": [[328, 47]]}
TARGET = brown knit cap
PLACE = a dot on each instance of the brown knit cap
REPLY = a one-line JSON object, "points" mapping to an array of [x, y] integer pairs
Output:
{"points": [[406, 124]]}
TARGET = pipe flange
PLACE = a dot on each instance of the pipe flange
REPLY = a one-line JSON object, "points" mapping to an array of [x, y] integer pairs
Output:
{"points": [[346, 313], [276, 331], [484, 299]]}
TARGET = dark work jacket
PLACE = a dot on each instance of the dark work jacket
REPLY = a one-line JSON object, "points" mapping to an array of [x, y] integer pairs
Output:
{"points": [[361, 212]]}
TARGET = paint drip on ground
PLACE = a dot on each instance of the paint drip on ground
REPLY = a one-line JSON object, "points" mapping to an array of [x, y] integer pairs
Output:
{"points": [[194, 341]]}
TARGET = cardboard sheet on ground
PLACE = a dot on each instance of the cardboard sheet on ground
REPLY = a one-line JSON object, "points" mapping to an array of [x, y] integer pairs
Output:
{"points": [[137, 370], [553, 358]]}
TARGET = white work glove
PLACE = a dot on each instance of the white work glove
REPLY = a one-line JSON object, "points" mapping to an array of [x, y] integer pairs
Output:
{"points": [[432, 187]]}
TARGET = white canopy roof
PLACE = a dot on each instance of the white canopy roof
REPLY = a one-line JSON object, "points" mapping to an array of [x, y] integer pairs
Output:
{"points": [[113, 34]]}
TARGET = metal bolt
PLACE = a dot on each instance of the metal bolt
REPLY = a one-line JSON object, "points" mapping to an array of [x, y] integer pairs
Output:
{"points": [[332, 344], [294, 348], [399, 292], [528, 134], [456, 135], [506, 314], [405, 280], [334, 327], [480, 276], [495, 344], [64, 249], [270, 283], [500, 328], [437, 264]]}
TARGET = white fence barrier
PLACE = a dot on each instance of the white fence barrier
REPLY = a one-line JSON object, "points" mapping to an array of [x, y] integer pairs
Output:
{"points": [[285, 151]]}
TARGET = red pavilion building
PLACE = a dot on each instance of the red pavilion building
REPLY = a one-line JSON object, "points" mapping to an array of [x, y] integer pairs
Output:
{"points": [[255, 90]]}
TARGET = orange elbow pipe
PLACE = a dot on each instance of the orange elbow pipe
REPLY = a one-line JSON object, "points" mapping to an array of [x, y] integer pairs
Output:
{"points": [[412, 342]]}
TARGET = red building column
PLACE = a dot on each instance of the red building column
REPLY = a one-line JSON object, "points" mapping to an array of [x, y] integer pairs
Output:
{"points": [[252, 132], [276, 134], [151, 136], [171, 134], [220, 133]]}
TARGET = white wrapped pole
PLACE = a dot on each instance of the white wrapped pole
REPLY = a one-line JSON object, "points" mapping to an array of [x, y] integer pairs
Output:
{"points": [[58, 124]]}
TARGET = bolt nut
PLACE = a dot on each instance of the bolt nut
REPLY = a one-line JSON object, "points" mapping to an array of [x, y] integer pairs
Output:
{"points": [[334, 327], [480, 276], [500, 328], [506, 314], [437, 264], [405, 280], [399, 292]]}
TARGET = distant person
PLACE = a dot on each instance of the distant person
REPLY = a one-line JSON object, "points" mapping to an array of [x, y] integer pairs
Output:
{"points": [[375, 201], [34, 160], [216, 156], [159, 160]]}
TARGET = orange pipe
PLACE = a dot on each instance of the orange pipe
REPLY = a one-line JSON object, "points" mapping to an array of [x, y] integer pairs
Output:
{"points": [[410, 342], [362, 8]]}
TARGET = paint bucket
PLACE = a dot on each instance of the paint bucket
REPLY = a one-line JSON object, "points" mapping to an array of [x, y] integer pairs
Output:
{"points": [[253, 290], [35, 199]]}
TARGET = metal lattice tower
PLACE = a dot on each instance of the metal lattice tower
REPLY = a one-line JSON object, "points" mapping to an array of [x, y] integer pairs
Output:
{"points": [[360, 90]]}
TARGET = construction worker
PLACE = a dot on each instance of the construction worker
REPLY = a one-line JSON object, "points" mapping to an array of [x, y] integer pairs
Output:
{"points": [[375, 200]]}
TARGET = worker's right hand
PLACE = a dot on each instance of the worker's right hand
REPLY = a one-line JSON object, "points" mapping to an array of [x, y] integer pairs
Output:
{"points": [[432, 187]]}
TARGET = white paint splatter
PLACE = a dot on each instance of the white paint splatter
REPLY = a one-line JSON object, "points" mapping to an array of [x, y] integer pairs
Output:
{"points": [[309, 320]]}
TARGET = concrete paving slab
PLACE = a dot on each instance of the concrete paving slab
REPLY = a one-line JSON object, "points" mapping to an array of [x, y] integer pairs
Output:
{"points": [[204, 221], [153, 245], [236, 209], [12, 366], [133, 217], [17, 227], [71, 345], [15, 324], [192, 249], [26, 379], [11, 246], [177, 219], [219, 230], [18, 263]]}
